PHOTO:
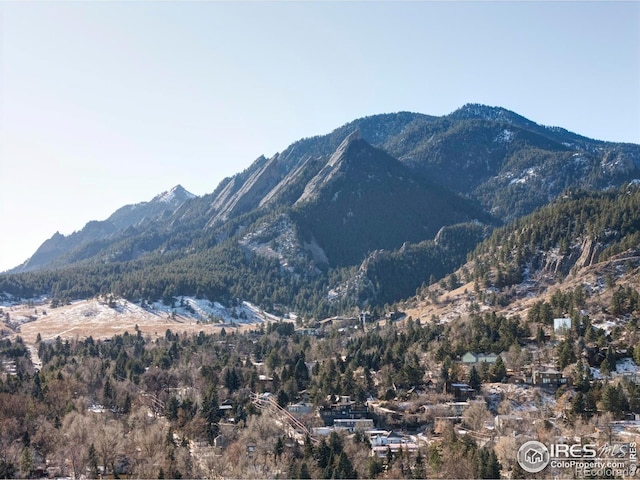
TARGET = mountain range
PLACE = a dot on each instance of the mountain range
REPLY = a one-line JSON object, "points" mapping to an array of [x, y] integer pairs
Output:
{"points": [[363, 215], [60, 249]]}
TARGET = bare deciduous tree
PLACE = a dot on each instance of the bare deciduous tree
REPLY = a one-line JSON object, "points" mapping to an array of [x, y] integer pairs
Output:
{"points": [[78, 434], [476, 415], [109, 442]]}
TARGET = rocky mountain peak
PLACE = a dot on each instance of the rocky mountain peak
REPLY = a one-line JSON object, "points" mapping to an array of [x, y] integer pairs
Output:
{"points": [[177, 193], [344, 153], [344, 146]]}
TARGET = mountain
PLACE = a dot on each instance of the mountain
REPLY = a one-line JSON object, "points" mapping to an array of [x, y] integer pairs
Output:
{"points": [[60, 246], [366, 214], [363, 200], [506, 163], [161, 205], [510, 164], [577, 257]]}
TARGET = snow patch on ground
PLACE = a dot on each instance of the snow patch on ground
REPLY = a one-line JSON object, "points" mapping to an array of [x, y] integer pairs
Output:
{"points": [[528, 174], [203, 310], [102, 318], [8, 300], [626, 365], [278, 239], [504, 137], [606, 325], [580, 161], [595, 373]]}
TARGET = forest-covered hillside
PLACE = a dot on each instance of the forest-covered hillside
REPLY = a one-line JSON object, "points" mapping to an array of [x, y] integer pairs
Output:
{"points": [[339, 221]]}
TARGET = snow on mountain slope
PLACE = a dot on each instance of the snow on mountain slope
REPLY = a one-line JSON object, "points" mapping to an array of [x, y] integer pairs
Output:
{"points": [[102, 318]]}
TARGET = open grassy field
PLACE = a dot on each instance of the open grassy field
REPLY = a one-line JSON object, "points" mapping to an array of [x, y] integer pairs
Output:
{"points": [[84, 318]]}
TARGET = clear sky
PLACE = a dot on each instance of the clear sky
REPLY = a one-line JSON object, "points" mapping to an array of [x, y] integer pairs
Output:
{"points": [[108, 103]]}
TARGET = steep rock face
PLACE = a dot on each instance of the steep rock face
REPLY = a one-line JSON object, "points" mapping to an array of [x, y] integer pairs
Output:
{"points": [[330, 171], [590, 251], [278, 238], [560, 264], [581, 255], [242, 195], [286, 190], [363, 199], [225, 197], [281, 179]]}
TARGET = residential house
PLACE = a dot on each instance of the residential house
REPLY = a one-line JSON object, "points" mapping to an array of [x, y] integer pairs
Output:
{"points": [[311, 332], [343, 408], [457, 408], [460, 391], [338, 322], [395, 315], [504, 422], [220, 441], [353, 424], [301, 408], [226, 410], [561, 326], [9, 366], [381, 444], [471, 358], [549, 378], [365, 318]]}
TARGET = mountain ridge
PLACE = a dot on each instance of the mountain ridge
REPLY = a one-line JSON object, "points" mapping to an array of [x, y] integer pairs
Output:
{"points": [[289, 228], [123, 218]]}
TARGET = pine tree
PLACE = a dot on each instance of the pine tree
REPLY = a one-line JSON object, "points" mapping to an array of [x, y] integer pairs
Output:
{"points": [[210, 411], [566, 356], [301, 374], [304, 471], [108, 395], [344, 467], [171, 409], [279, 448], [611, 401], [308, 447], [493, 467], [26, 462], [578, 404], [434, 457], [374, 467], [475, 381], [498, 371], [418, 470], [323, 454]]}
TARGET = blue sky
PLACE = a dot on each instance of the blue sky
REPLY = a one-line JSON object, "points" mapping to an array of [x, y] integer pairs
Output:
{"points": [[108, 103]]}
